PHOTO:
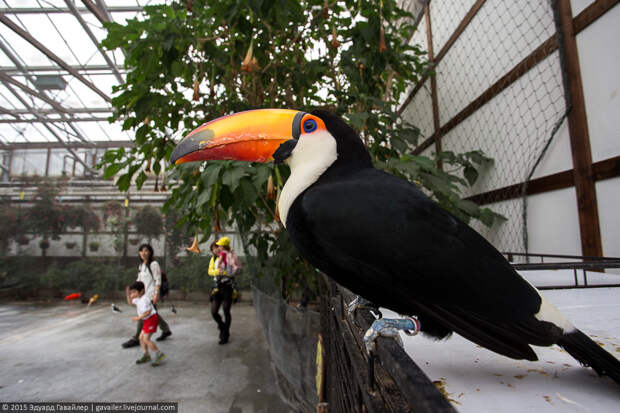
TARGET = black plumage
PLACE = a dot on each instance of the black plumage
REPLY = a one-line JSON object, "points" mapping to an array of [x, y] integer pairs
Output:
{"points": [[384, 239]]}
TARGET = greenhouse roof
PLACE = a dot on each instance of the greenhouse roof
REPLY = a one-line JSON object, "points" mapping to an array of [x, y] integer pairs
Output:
{"points": [[55, 82]]}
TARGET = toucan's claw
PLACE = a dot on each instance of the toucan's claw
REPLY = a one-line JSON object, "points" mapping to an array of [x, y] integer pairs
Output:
{"points": [[361, 303], [389, 327]]}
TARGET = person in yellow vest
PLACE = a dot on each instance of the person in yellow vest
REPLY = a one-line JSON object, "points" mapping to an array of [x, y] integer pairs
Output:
{"points": [[224, 265]]}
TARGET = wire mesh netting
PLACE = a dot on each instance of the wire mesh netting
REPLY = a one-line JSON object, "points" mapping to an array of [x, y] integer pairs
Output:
{"points": [[515, 126], [291, 334]]}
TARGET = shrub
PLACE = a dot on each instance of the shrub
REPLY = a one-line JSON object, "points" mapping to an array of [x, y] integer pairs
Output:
{"points": [[191, 275], [19, 272], [89, 276]]}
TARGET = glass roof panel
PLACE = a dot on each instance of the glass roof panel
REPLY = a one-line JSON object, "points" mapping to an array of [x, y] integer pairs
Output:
{"points": [[31, 117]]}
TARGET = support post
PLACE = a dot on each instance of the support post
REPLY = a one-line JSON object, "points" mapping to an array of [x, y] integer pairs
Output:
{"points": [[433, 79], [579, 135], [47, 161]]}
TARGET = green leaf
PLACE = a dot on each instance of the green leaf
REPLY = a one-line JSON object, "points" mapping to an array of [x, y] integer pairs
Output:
{"points": [[471, 174], [357, 119], [156, 167], [246, 192], [112, 170], [204, 197], [123, 182], [140, 179], [231, 177], [260, 174], [471, 208], [211, 174], [424, 162]]}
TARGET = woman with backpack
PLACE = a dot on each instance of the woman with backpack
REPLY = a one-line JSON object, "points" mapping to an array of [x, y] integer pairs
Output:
{"points": [[149, 273]]}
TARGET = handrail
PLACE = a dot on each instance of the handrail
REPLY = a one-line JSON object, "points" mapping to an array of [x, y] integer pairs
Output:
{"points": [[579, 257], [598, 264]]}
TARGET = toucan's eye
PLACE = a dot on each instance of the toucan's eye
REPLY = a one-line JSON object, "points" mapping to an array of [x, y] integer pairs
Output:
{"points": [[309, 125]]}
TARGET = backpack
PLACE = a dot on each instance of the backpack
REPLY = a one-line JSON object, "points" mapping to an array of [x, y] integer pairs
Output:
{"points": [[235, 264], [164, 288]]}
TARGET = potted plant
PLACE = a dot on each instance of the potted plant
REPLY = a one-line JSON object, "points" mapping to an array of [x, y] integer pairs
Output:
{"points": [[44, 244], [134, 241], [70, 245], [93, 246]]}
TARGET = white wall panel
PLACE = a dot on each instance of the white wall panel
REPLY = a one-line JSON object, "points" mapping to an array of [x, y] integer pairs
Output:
{"points": [[501, 35], [419, 36], [506, 236], [578, 5], [420, 111], [608, 196], [513, 128], [553, 223], [558, 157], [599, 56], [446, 15]]}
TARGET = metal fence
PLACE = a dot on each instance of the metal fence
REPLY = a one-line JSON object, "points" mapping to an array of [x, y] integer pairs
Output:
{"points": [[576, 263]]}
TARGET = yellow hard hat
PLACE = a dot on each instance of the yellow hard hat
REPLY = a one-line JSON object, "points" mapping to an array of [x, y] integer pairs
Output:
{"points": [[223, 242]]}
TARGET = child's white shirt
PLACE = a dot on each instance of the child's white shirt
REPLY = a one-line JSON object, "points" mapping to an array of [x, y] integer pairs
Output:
{"points": [[144, 304]]}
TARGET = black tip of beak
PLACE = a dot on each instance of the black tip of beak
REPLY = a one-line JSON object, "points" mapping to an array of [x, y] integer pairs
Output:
{"points": [[191, 144]]}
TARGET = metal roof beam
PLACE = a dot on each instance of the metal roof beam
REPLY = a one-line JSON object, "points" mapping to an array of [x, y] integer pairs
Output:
{"points": [[99, 14], [83, 10], [89, 68], [67, 110], [27, 36], [104, 9], [41, 95], [51, 120], [9, 80], [10, 113], [90, 34], [64, 144]]}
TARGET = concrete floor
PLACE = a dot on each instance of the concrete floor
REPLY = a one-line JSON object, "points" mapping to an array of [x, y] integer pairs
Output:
{"points": [[63, 352]]}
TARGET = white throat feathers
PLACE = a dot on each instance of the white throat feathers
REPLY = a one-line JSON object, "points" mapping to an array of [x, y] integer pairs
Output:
{"points": [[313, 154]]}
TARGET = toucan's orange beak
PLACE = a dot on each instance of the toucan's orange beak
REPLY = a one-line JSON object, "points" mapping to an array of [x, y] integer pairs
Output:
{"points": [[245, 136]]}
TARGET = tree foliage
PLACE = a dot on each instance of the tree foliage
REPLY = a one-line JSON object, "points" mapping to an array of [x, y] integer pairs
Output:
{"points": [[148, 222], [193, 61]]}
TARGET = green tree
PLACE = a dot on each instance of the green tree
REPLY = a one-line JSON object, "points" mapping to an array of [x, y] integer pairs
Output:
{"points": [[149, 222], [195, 60], [11, 224], [47, 217]]}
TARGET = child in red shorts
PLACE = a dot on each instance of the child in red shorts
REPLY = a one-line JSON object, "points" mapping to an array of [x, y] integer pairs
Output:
{"points": [[146, 311]]}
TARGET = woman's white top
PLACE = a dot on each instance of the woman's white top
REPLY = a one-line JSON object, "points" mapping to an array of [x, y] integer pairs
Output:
{"points": [[150, 281]]}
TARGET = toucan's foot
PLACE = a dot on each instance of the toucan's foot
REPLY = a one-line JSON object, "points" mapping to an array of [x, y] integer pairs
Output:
{"points": [[359, 303], [389, 327]]}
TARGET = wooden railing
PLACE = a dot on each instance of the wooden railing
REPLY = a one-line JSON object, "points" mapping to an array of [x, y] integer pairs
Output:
{"points": [[353, 381]]}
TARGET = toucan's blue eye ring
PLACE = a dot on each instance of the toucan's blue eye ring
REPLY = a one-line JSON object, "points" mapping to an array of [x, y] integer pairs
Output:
{"points": [[309, 125]]}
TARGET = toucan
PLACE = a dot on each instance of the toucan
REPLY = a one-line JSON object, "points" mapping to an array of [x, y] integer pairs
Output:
{"points": [[381, 237]]}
